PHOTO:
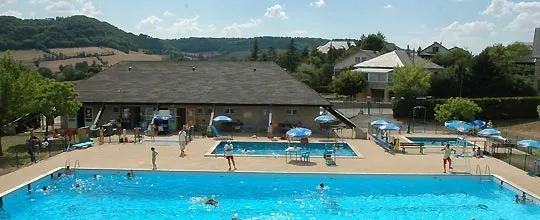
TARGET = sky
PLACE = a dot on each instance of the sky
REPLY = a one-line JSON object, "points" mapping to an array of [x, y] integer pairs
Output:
{"points": [[470, 24]]}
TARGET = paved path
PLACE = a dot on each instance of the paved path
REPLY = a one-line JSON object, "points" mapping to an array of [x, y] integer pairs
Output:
{"points": [[375, 160]]}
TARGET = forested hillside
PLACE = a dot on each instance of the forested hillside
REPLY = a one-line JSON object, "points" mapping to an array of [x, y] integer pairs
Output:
{"points": [[82, 31]]}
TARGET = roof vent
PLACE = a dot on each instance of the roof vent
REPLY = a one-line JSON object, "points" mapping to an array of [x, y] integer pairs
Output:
{"points": [[193, 68], [129, 68], [254, 69]]}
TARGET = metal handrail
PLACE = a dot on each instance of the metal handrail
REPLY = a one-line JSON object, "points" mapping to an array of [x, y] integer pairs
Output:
{"points": [[487, 170], [478, 169]]}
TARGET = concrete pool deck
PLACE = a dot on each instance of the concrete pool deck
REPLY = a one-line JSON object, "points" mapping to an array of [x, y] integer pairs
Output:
{"points": [[375, 160]]}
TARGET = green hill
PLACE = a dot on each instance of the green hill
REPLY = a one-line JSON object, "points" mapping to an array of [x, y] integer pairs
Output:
{"points": [[82, 31]]}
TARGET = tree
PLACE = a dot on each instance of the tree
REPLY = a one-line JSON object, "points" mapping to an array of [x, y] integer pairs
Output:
{"points": [[349, 83], [457, 109], [18, 91], [255, 51], [373, 42], [411, 81], [305, 53], [308, 74], [46, 72], [58, 99], [82, 67], [272, 55]]}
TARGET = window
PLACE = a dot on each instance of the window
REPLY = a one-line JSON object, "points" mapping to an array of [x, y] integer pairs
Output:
{"points": [[358, 59], [88, 115], [377, 77], [209, 111], [292, 112], [148, 114], [390, 77], [199, 111], [229, 111], [364, 59], [435, 49]]}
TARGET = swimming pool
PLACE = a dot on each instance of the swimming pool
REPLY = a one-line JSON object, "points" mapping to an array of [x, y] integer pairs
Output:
{"points": [[278, 148], [180, 195], [438, 141]]}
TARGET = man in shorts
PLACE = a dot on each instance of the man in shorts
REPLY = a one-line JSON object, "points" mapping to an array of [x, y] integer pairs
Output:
{"points": [[182, 142], [446, 157], [228, 153]]}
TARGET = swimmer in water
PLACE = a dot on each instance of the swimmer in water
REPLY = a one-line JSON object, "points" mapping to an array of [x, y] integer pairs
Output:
{"points": [[211, 201], [517, 199], [44, 189], [322, 187], [130, 174]]}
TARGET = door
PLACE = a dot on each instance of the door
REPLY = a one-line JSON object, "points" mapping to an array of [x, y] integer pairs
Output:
{"points": [[125, 117], [191, 115], [180, 118], [80, 118]]}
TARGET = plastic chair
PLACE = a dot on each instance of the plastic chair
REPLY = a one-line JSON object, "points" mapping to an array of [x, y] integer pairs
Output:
{"points": [[305, 156]]}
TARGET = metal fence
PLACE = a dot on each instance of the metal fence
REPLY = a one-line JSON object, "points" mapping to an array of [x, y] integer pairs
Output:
{"points": [[524, 158]]}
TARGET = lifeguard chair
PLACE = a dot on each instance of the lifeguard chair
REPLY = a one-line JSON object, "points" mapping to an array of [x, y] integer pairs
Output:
{"points": [[329, 155]]}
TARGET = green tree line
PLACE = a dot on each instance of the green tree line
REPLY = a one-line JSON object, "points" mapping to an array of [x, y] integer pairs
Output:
{"points": [[82, 31]]}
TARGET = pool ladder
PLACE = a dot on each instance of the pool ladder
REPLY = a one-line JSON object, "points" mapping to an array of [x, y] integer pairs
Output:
{"points": [[76, 165], [487, 172]]}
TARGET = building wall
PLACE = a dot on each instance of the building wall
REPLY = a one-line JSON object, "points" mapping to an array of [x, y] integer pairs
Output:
{"points": [[537, 75], [352, 60], [254, 117]]}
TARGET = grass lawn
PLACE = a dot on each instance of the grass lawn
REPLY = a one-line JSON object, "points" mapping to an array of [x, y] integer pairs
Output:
{"points": [[519, 129], [15, 152]]}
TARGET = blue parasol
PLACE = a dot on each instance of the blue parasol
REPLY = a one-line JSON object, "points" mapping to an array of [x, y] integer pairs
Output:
{"points": [[222, 118], [390, 127], [529, 143], [324, 119], [460, 126], [163, 117], [299, 132], [478, 123], [379, 122], [489, 132]]}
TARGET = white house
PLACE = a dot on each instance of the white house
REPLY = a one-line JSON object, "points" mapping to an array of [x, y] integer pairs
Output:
{"points": [[345, 45], [433, 49], [353, 59], [379, 71]]}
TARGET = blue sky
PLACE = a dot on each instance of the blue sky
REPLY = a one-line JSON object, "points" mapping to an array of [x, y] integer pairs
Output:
{"points": [[472, 24]]}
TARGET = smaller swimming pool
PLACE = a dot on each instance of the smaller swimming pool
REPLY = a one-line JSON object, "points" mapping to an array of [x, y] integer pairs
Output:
{"points": [[439, 141], [278, 148]]}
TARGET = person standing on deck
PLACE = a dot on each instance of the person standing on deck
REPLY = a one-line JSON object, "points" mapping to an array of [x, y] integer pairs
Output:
{"points": [[182, 142], [228, 153], [446, 157]]}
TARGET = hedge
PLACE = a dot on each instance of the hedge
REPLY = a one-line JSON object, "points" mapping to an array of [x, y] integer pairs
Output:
{"points": [[492, 108]]}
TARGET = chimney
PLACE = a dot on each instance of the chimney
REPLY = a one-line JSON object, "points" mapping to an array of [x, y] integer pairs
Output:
{"points": [[129, 68], [254, 69], [193, 68]]}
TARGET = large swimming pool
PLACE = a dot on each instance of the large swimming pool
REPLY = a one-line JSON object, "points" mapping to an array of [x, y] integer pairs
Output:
{"points": [[278, 148], [438, 141], [180, 195]]}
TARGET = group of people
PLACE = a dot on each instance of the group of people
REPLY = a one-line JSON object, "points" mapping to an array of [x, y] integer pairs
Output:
{"points": [[34, 144]]}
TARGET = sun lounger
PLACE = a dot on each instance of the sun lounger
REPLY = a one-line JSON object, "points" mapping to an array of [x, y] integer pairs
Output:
{"points": [[83, 145], [412, 145]]}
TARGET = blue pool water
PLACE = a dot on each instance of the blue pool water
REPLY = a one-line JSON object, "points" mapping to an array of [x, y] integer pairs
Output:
{"points": [[436, 142], [278, 148], [180, 195]]}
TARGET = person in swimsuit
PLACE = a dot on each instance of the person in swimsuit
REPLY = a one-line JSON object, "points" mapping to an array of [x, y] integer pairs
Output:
{"points": [[228, 154], [446, 157]]}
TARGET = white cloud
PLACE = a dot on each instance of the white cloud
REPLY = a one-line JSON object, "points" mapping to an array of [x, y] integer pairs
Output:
{"points": [[525, 21], [472, 34], [167, 13], [12, 13], [185, 27], [211, 27], [389, 6], [527, 14], [60, 7], [276, 11], [318, 4], [79, 7], [38, 1], [148, 21], [235, 30], [6, 2]]}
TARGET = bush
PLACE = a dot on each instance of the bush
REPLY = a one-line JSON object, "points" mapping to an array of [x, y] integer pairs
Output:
{"points": [[457, 108], [492, 108]]}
